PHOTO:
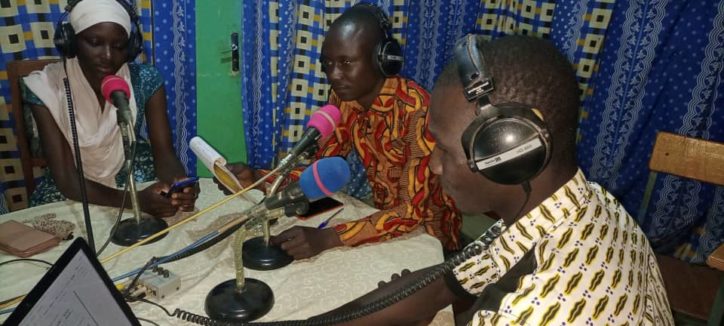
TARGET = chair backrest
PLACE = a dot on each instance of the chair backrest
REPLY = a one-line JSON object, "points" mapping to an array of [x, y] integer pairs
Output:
{"points": [[691, 289], [29, 159], [688, 157]]}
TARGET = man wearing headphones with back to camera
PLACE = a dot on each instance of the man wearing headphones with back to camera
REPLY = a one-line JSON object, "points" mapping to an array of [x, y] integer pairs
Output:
{"points": [[102, 38], [384, 121], [565, 252]]}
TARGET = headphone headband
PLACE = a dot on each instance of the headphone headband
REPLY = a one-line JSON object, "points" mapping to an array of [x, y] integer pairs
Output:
{"points": [[388, 53], [64, 38], [382, 21], [471, 68]]}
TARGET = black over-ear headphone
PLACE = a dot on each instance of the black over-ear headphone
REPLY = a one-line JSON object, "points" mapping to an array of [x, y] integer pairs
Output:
{"points": [[507, 143], [388, 53], [64, 37]]}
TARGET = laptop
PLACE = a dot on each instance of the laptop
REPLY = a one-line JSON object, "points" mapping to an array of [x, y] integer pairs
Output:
{"points": [[75, 291]]}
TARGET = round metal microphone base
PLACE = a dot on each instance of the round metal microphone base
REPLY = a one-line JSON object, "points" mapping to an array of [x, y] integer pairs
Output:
{"points": [[129, 231], [257, 255], [228, 304]]}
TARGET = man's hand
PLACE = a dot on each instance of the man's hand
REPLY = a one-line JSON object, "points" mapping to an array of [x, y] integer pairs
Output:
{"points": [[245, 174], [303, 242], [152, 202]]}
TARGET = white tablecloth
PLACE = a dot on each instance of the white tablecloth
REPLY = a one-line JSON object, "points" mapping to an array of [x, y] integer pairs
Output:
{"points": [[301, 289]]}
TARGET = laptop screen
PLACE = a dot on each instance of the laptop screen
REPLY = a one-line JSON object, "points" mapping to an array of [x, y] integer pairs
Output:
{"points": [[75, 291]]}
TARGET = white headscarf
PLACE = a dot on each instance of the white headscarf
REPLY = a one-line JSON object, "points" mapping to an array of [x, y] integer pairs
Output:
{"points": [[90, 12], [99, 137]]}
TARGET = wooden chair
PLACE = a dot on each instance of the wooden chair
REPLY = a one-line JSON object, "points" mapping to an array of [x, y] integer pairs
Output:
{"points": [[23, 134], [695, 292]]}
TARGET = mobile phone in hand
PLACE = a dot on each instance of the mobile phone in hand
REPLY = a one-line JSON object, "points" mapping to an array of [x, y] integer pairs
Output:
{"points": [[179, 186]]}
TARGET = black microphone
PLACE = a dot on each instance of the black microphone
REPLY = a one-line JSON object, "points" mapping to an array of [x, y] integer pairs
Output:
{"points": [[116, 90], [320, 125]]}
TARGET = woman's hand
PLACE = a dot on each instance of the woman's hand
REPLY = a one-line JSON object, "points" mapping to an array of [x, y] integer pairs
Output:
{"points": [[245, 174], [186, 199], [152, 202]]}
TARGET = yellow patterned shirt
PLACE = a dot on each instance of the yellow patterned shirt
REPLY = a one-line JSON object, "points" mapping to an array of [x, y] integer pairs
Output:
{"points": [[592, 265]]}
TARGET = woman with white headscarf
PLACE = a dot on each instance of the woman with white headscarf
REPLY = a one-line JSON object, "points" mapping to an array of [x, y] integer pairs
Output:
{"points": [[102, 30]]}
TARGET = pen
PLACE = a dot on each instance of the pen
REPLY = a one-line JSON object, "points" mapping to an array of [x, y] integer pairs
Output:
{"points": [[326, 221]]}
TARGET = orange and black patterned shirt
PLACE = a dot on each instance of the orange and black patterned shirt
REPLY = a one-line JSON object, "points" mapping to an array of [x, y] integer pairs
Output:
{"points": [[394, 146]]}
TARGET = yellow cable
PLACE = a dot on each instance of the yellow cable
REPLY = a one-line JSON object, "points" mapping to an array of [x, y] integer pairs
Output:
{"points": [[16, 300], [188, 219]]}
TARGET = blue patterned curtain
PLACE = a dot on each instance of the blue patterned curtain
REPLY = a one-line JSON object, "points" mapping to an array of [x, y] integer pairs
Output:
{"points": [[660, 70], [174, 54], [27, 29], [642, 66], [282, 41]]}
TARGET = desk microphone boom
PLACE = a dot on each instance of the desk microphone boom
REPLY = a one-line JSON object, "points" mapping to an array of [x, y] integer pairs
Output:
{"points": [[129, 231], [258, 253], [244, 299]]}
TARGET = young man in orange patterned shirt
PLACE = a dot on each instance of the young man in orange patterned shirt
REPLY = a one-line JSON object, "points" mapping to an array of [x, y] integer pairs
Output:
{"points": [[385, 121]]}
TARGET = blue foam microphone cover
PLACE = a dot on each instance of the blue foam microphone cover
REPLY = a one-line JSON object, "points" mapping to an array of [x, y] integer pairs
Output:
{"points": [[324, 177]]}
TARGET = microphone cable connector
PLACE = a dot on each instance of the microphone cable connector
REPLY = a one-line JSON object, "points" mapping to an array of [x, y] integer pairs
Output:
{"points": [[157, 283]]}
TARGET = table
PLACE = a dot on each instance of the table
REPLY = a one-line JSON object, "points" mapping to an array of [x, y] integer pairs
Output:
{"points": [[302, 289]]}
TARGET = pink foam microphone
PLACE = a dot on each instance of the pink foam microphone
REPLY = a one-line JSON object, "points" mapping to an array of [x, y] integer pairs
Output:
{"points": [[116, 90], [321, 125], [325, 120]]}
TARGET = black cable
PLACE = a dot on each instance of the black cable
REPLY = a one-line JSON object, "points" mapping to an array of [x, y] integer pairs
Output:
{"points": [[120, 213], [209, 243], [474, 249], [148, 321], [26, 259], [467, 253], [157, 305], [471, 250], [79, 162], [526, 189], [130, 286], [187, 316]]}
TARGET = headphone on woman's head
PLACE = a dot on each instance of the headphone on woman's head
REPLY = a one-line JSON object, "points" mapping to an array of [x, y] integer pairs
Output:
{"points": [[507, 143], [388, 53], [64, 38]]}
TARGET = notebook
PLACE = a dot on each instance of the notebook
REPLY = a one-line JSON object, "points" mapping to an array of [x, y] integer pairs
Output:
{"points": [[75, 291]]}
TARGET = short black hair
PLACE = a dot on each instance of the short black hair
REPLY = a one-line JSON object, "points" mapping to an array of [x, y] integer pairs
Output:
{"points": [[363, 16], [533, 72]]}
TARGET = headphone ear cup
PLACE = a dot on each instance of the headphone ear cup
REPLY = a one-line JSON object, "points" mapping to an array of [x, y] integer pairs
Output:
{"points": [[64, 39], [508, 146], [389, 57]]}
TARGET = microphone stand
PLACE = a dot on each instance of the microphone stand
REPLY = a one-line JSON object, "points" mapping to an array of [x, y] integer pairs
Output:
{"points": [[244, 299], [258, 253], [135, 229]]}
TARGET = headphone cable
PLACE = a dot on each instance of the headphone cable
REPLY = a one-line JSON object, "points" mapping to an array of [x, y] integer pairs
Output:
{"points": [[527, 190], [78, 161]]}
